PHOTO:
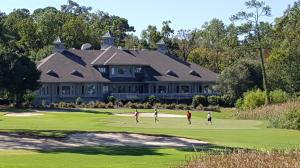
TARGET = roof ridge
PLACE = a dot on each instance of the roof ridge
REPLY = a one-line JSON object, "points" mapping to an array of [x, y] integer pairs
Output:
{"points": [[110, 58], [45, 60], [99, 56]]}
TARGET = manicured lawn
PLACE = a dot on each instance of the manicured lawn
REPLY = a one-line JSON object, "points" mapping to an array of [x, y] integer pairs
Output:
{"points": [[224, 132]]}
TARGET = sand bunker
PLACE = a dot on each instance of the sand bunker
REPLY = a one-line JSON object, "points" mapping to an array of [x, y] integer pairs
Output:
{"points": [[15, 141], [22, 114], [151, 115]]}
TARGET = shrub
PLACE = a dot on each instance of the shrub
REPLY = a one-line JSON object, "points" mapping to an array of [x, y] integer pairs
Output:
{"points": [[131, 105], [147, 105], [170, 106], [28, 98], [111, 99], [267, 112], [239, 103], [212, 108], [180, 106], [214, 100], [119, 104], [198, 99], [200, 107], [278, 96], [226, 101], [158, 105], [78, 101], [253, 99], [152, 99], [110, 105], [234, 158], [289, 120], [44, 103], [139, 106]]}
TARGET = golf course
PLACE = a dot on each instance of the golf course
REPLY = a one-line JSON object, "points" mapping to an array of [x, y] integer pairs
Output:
{"points": [[226, 132]]}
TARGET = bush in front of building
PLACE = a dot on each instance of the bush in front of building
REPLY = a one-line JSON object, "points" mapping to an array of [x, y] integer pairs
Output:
{"points": [[111, 99], [214, 100], [199, 99], [152, 99], [78, 101]]}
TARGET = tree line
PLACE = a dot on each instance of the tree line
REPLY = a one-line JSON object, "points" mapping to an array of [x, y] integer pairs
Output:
{"points": [[247, 53]]}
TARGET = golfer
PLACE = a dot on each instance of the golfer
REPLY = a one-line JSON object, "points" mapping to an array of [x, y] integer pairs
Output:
{"points": [[136, 115], [209, 117], [189, 116], [156, 115]]}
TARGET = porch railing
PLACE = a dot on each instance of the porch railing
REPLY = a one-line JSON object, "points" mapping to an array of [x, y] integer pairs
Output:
{"points": [[143, 96]]}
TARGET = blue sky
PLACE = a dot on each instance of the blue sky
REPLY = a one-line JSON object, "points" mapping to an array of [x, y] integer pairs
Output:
{"points": [[184, 14]]}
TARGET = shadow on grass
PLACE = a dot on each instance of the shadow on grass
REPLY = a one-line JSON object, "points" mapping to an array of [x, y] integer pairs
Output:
{"points": [[211, 149], [22, 110], [107, 150]]}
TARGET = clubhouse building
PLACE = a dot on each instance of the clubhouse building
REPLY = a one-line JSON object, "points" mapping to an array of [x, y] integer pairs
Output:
{"points": [[125, 74]]}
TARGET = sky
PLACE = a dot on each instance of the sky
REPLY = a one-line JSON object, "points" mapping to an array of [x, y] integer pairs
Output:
{"points": [[184, 14]]}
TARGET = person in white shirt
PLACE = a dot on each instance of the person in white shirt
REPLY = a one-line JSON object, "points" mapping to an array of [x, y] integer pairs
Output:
{"points": [[209, 117], [136, 115]]}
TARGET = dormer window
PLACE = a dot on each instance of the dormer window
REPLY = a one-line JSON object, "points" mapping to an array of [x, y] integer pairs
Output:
{"points": [[102, 69], [138, 69], [77, 73]]}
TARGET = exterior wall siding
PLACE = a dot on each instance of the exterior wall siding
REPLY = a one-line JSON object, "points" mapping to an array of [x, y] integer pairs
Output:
{"points": [[57, 92]]}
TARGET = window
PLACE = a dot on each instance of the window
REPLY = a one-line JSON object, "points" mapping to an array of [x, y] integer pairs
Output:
{"points": [[200, 88], [185, 89], [66, 90], [91, 89], [207, 89], [102, 69], [57, 90], [138, 69], [121, 71], [113, 71], [44, 90], [82, 90], [162, 89], [105, 89]]}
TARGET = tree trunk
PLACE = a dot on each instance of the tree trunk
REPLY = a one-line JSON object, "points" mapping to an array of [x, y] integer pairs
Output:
{"points": [[18, 100]]}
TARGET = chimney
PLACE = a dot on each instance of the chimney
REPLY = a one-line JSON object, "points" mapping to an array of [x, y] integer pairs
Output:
{"points": [[58, 45], [107, 40], [161, 47]]}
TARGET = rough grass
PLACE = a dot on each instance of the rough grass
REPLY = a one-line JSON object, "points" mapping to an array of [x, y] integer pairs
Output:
{"points": [[267, 112], [249, 159]]}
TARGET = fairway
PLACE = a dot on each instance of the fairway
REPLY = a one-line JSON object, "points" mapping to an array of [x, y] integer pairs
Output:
{"points": [[225, 132]]}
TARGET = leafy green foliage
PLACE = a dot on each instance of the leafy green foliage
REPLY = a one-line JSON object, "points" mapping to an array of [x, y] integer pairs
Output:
{"points": [[239, 77], [152, 99], [199, 100], [289, 120], [111, 99], [278, 96], [214, 100], [253, 99]]}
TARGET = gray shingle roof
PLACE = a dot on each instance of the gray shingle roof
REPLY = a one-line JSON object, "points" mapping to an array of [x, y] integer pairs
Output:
{"points": [[78, 66]]}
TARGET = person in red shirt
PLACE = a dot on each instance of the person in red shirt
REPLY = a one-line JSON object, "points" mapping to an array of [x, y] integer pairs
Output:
{"points": [[189, 116]]}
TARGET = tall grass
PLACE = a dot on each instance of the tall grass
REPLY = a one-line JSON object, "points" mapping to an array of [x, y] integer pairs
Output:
{"points": [[267, 112], [249, 159]]}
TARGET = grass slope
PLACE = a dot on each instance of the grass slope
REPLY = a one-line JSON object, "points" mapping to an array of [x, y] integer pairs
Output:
{"points": [[224, 132]]}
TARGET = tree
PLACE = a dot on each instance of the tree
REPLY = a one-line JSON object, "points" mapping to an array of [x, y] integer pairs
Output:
{"points": [[150, 37], [284, 61], [253, 18], [75, 8], [185, 39], [18, 74], [239, 78]]}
